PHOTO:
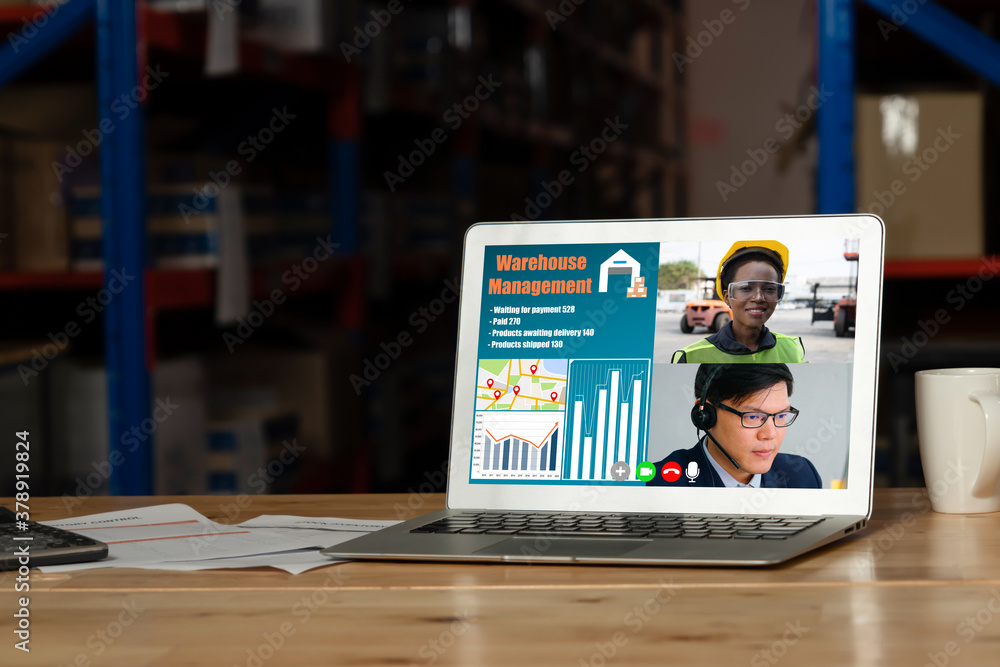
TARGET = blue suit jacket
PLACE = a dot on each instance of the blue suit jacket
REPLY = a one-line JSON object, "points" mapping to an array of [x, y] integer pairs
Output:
{"points": [[788, 471]]}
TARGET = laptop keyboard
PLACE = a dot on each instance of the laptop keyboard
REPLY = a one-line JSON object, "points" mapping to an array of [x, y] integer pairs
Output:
{"points": [[536, 524]]}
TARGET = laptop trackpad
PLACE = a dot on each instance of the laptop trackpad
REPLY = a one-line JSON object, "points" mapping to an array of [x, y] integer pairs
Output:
{"points": [[533, 547]]}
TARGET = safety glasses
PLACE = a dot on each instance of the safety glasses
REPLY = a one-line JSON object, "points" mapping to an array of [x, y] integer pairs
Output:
{"points": [[745, 290]]}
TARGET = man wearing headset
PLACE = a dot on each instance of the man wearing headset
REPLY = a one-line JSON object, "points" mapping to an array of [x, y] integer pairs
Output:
{"points": [[745, 413], [751, 282]]}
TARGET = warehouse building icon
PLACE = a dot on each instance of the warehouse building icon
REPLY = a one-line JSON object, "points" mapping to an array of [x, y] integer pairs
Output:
{"points": [[623, 263]]}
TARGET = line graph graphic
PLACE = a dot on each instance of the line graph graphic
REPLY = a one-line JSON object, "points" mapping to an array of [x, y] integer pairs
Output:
{"points": [[517, 445], [606, 413]]}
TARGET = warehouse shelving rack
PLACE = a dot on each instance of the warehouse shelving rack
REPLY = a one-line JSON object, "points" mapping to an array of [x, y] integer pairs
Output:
{"points": [[971, 48], [124, 31], [836, 35]]}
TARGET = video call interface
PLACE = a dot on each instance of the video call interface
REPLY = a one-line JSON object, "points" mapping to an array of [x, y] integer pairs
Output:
{"points": [[721, 364]]}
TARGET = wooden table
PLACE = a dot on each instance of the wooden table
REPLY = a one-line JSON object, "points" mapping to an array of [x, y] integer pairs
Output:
{"points": [[915, 588]]}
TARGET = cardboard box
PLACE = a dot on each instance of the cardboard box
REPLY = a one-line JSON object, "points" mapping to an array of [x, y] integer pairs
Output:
{"points": [[920, 168], [66, 112], [32, 209]]}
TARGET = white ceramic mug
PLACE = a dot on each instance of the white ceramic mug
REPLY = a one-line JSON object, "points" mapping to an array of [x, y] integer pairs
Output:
{"points": [[958, 424]]}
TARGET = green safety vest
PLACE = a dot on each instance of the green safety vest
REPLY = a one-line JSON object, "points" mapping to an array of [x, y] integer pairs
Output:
{"points": [[787, 350]]}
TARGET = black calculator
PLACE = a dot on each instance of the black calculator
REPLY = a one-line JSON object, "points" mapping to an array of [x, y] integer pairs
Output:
{"points": [[46, 545]]}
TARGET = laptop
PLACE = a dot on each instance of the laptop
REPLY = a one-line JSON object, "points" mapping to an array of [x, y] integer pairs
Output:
{"points": [[578, 437]]}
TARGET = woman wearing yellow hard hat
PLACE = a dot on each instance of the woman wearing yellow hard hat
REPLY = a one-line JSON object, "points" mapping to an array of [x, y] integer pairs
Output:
{"points": [[751, 282]]}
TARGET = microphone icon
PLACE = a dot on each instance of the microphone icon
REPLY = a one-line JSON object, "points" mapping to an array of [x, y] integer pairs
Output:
{"points": [[692, 471]]}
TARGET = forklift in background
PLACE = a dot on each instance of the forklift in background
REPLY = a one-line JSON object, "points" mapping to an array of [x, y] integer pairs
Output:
{"points": [[708, 311], [844, 312]]}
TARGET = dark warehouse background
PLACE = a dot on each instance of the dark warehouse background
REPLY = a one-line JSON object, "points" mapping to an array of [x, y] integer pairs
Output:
{"points": [[390, 127]]}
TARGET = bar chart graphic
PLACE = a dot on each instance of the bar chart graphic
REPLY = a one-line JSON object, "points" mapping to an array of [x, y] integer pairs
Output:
{"points": [[517, 445], [606, 417]]}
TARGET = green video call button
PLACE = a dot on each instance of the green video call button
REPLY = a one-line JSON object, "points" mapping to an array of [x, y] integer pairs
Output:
{"points": [[646, 471]]}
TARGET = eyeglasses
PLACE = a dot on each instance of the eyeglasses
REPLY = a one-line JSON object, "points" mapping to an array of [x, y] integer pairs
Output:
{"points": [[745, 290], [756, 419]]}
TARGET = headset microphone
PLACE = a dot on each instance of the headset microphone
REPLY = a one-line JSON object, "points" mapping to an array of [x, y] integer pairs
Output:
{"points": [[704, 416], [731, 459]]}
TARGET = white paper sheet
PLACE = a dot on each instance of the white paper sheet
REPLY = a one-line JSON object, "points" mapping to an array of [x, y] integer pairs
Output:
{"points": [[176, 537], [320, 523]]}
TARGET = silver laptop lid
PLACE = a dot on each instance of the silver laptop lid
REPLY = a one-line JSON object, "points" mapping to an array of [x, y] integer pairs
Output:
{"points": [[566, 397]]}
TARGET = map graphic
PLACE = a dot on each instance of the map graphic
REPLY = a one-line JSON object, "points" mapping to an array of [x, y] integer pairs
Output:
{"points": [[521, 384]]}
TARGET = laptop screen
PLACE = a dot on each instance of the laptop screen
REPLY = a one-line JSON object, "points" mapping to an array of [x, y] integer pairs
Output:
{"points": [[722, 363]]}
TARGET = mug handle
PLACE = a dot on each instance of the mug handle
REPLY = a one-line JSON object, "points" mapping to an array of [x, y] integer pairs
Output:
{"points": [[989, 472]]}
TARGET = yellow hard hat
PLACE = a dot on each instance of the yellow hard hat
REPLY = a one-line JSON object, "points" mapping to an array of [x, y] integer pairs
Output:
{"points": [[739, 248]]}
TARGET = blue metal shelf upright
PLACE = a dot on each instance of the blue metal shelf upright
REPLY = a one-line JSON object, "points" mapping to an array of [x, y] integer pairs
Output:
{"points": [[122, 209], [927, 20]]}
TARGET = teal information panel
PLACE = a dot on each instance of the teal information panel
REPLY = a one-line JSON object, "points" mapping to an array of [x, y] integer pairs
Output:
{"points": [[565, 348]]}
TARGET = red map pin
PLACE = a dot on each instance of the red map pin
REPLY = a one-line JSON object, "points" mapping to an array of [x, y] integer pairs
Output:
{"points": [[489, 383], [533, 368], [554, 395], [497, 393], [517, 388]]}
